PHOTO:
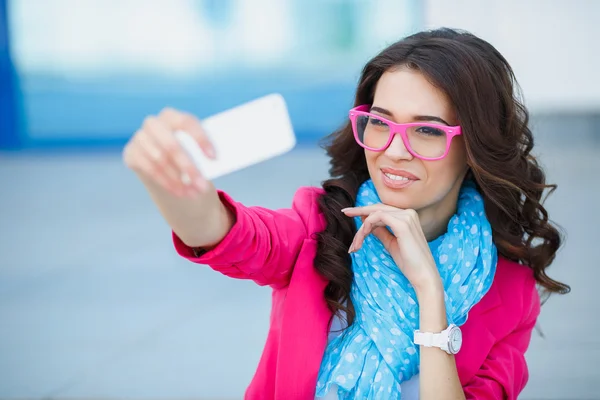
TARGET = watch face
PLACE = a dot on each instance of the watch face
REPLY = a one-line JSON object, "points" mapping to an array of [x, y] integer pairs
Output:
{"points": [[455, 339]]}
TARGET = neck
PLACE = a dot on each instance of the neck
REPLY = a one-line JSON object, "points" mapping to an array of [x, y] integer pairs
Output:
{"points": [[435, 218], [434, 224]]}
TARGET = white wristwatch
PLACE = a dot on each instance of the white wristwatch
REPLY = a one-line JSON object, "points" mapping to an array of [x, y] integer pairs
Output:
{"points": [[449, 340]]}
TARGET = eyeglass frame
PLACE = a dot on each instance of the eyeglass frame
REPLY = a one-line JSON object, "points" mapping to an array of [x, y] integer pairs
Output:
{"points": [[395, 128]]}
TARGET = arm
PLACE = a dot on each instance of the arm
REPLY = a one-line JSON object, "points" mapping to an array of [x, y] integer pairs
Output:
{"points": [[263, 244], [438, 376], [209, 227], [503, 374], [186, 215]]}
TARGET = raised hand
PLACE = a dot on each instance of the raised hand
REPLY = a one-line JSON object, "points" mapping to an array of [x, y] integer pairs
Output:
{"points": [[155, 153]]}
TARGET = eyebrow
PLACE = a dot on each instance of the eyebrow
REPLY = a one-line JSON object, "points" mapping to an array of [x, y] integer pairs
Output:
{"points": [[416, 117]]}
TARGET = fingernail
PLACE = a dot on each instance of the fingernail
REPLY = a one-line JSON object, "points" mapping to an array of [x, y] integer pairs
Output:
{"points": [[210, 152], [185, 179], [345, 209]]}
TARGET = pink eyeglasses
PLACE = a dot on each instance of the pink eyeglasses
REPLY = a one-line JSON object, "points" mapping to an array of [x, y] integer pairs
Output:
{"points": [[423, 140]]}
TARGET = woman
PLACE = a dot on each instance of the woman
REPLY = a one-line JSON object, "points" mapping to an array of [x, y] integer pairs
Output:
{"points": [[432, 214]]}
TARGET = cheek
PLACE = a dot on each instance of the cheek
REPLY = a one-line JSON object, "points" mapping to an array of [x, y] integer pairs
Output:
{"points": [[446, 171], [371, 158], [443, 171]]}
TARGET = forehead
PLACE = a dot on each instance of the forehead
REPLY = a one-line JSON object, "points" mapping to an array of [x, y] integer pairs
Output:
{"points": [[407, 93]]}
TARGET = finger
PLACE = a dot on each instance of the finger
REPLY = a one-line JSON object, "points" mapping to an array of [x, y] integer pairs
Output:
{"points": [[161, 167], [405, 225], [384, 235], [415, 223], [145, 165], [380, 220], [366, 210], [190, 124], [175, 159], [373, 221]]}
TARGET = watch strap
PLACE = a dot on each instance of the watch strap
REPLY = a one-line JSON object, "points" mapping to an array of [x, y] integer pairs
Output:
{"points": [[428, 339]]}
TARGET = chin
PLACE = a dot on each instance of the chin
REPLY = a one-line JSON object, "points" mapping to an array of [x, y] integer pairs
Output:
{"points": [[400, 198]]}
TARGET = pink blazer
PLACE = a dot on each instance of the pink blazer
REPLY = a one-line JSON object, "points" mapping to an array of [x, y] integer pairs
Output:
{"points": [[276, 248]]}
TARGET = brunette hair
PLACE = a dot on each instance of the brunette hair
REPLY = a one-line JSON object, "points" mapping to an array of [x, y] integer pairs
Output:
{"points": [[481, 85]]}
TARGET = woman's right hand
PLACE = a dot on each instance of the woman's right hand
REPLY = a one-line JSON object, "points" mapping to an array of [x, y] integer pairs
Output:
{"points": [[154, 153]]}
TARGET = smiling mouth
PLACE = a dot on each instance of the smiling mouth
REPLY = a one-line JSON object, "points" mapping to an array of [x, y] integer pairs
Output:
{"points": [[395, 182], [396, 177]]}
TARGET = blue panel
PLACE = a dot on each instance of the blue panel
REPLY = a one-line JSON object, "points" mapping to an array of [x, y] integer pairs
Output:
{"points": [[9, 135]]}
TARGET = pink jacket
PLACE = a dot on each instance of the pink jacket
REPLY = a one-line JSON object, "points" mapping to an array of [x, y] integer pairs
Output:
{"points": [[276, 248]]}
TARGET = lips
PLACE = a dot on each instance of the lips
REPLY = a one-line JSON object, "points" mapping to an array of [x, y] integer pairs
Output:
{"points": [[392, 173], [396, 179]]}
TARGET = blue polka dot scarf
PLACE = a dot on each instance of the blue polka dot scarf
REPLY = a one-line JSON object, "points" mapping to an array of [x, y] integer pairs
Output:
{"points": [[377, 353]]}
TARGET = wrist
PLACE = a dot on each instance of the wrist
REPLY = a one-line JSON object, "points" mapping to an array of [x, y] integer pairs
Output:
{"points": [[432, 308], [430, 290]]}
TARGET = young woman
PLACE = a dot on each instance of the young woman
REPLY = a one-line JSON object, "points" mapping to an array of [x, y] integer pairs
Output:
{"points": [[412, 272]]}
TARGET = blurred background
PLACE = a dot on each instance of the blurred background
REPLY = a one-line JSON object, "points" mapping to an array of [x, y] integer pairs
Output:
{"points": [[94, 302]]}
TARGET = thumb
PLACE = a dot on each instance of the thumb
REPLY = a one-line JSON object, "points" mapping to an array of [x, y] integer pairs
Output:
{"points": [[389, 241], [385, 237]]}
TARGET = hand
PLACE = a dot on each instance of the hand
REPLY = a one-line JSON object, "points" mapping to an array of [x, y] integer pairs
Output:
{"points": [[407, 246], [155, 153]]}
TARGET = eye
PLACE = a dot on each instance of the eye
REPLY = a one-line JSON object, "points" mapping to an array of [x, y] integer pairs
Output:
{"points": [[430, 131], [377, 122]]}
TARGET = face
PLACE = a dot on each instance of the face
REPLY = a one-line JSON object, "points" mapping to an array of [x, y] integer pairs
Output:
{"points": [[403, 96]]}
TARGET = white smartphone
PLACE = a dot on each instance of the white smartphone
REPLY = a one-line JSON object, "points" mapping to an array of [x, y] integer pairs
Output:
{"points": [[243, 136]]}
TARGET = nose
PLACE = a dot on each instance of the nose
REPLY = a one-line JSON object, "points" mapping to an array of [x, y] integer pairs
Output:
{"points": [[397, 151]]}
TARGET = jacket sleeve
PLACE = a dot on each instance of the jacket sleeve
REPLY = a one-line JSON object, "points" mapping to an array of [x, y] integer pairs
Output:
{"points": [[263, 244], [504, 373]]}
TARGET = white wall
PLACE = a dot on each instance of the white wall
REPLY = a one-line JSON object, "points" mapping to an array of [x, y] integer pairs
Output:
{"points": [[91, 38], [553, 45]]}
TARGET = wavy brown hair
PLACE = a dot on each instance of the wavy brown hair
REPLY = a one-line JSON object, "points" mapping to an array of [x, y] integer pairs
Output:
{"points": [[482, 87]]}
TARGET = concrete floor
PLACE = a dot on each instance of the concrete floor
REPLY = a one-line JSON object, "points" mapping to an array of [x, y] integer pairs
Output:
{"points": [[94, 302]]}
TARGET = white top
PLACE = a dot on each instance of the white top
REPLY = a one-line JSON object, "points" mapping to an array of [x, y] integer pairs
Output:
{"points": [[410, 388]]}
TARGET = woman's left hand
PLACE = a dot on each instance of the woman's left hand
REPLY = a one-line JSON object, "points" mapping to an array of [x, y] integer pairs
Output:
{"points": [[407, 246]]}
